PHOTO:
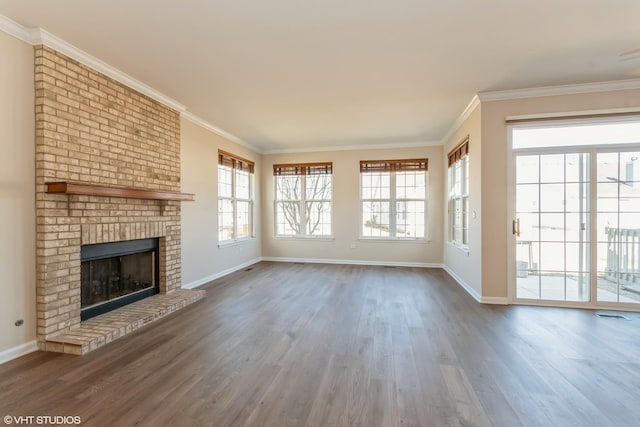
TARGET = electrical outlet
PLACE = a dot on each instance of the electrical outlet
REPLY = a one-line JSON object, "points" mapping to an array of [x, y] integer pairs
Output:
{"points": [[353, 246]]}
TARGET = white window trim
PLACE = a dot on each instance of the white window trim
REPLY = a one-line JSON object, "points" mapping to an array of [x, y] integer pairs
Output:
{"points": [[235, 242], [392, 213], [305, 237], [459, 246], [303, 212], [234, 202], [593, 150], [416, 240], [464, 195]]}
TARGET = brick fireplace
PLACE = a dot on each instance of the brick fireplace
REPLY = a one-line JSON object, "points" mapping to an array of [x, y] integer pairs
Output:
{"points": [[94, 130]]}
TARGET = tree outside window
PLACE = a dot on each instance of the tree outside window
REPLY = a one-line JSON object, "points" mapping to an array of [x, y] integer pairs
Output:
{"points": [[303, 199]]}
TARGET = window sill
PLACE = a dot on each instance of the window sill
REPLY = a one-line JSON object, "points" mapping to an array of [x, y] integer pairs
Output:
{"points": [[393, 240], [236, 242], [459, 246], [304, 237]]}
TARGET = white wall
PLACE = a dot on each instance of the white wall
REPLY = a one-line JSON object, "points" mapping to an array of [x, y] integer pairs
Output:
{"points": [[17, 196], [467, 266], [202, 259], [346, 220]]}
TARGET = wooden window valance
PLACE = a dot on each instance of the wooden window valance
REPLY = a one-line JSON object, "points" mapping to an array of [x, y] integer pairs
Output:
{"points": [[324, 168], [394, 165], [235, 162], [459, 152]]}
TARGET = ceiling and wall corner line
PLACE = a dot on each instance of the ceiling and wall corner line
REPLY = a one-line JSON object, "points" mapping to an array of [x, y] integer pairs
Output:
{"points": [[35, 36], [16, 30], [353, 147], [40, 36], [571, 89], [470, 108], [206, 125]]}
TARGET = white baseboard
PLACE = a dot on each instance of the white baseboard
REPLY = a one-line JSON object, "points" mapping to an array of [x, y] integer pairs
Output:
{"points": [[473, 292], [17, 351], [464, 284], [354, 262], [495, 300], [220, 274]]}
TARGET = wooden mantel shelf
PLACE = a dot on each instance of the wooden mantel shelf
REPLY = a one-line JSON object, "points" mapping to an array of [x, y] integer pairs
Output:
{"points": [[101, 190]]}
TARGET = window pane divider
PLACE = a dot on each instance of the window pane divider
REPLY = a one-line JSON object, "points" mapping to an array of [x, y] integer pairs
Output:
{"points": [[302, 170], [241, 168]]}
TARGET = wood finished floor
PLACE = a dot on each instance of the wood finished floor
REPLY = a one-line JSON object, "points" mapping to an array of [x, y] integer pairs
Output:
{"points": [[330, 345]]}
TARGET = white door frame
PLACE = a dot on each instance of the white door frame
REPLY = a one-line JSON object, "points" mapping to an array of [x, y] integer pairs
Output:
{"points": [[511, 215]]}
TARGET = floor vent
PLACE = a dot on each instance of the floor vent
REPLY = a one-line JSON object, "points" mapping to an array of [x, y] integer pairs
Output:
{"points": [[389, 266], [612, 316], [299, 263], [248, 269]]}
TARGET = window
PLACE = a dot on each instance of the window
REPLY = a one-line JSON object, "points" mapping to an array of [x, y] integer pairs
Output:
{"points": [[459, 193], [393, 198], [235, 197], [303, 199]]}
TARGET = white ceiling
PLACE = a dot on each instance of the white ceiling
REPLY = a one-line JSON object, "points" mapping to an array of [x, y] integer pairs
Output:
{"points": [[283, 74]]}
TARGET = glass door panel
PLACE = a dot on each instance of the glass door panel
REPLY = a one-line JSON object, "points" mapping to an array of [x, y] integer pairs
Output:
{"points": [[552, 211], [618, 227]]}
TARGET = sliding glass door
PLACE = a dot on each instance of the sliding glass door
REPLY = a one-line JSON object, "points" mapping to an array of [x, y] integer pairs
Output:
{"points": [[576, 222], [552, 219]]}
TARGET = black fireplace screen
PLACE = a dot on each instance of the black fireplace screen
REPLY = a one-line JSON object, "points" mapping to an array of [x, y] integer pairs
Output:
{"points": [[116, 274], [109, 278]]}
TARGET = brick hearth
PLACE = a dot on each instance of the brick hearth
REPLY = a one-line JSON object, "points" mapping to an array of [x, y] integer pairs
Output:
{"points": [[101, 330]]}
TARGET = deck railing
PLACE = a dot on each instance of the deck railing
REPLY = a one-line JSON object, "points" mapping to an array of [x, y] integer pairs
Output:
{"points": [[623, 256]]}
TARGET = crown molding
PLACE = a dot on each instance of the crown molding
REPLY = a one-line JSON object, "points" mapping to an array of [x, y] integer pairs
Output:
{"points": [[470, 108], [16, 30], [41, 36], [573, 89], [36, 36], [206, 125], [630, 56], [354, 147]]}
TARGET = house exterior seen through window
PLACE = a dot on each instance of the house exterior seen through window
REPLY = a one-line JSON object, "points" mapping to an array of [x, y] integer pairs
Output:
{"points": [[393, 198], [459, 194], [235, 198]]}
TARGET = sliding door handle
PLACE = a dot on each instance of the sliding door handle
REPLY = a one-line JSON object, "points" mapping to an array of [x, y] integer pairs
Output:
{"points": [[515, 227]]}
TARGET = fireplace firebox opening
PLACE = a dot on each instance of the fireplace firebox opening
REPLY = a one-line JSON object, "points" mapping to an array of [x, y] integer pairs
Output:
{"points": [[116, 274]]}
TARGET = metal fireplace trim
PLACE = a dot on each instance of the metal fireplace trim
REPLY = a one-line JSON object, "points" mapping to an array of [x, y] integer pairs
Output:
{"points": [[127, 247], [108, 250]]}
